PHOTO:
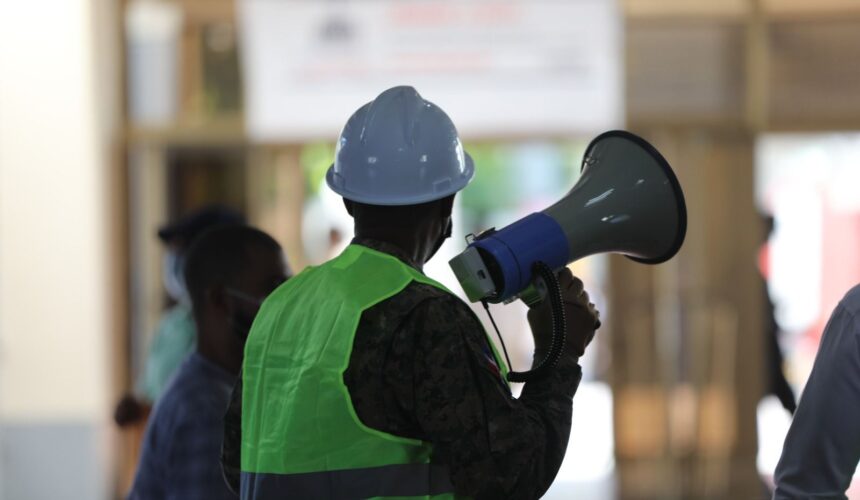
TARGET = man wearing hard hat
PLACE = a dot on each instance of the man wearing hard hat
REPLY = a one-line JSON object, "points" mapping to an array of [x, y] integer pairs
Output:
{"points": [[365, 378]]}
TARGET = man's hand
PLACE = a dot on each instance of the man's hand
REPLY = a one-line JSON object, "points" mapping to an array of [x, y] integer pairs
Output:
{"points": [[128, 411], [582, 319]]}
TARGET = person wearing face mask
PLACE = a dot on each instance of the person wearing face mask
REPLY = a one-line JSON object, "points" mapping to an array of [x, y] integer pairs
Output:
{"points": [[174, 338], [229, 271], [364, 378]]}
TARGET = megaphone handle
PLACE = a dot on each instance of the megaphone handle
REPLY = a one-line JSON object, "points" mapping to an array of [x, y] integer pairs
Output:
{"points": [[559, 327]]}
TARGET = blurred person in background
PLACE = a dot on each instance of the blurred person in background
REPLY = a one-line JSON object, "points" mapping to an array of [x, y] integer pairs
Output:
{"points": [[174, 338], [229, 271], [777, 384], [822, 448], [365, 378]]}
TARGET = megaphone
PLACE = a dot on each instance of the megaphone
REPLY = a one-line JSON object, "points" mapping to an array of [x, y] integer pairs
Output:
{"points": [[626, 201]]}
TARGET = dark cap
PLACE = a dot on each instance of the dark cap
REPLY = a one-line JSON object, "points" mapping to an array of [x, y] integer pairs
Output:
{"points": [[195, 223]]}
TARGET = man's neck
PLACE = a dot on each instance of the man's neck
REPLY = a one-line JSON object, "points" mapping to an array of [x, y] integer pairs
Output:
{"points": [[228, 361], [406, 248]]}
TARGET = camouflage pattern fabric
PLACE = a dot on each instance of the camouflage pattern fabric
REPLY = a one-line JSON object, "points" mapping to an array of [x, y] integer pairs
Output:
{"points": [[422, 368]]}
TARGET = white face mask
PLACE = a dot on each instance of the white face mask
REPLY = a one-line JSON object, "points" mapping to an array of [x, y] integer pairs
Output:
{"points": [[171, 273]]}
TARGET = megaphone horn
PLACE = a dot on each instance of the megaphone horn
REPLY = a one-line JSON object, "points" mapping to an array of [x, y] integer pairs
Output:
{"points": [[627, 201]]}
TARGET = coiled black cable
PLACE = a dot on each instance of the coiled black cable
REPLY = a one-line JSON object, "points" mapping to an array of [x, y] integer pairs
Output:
{"points": [[559, 328]]}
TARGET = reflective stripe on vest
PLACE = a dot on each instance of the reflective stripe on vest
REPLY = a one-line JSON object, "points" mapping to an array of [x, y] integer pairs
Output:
{"points": [[402, 480]]}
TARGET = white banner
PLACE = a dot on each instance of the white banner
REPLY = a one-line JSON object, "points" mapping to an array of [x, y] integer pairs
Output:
{"points": [[499, 68]]}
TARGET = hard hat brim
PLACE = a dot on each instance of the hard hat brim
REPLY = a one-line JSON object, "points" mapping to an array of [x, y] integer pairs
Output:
{"points": [[394, 200]]}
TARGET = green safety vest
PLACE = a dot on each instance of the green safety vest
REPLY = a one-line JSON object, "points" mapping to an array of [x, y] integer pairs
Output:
{"points": [[301, 437]]}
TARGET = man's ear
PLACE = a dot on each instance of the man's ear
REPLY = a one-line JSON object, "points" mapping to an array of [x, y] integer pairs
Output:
{"points": [[348, 204], [447, 206]]}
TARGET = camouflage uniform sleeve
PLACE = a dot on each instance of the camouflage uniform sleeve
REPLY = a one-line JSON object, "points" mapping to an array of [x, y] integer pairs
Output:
{"points": [[231, 447], [496, 446]]}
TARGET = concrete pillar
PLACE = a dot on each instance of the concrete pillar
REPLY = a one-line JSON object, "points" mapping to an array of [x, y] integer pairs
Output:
{"points": [[687, 336], [55, 316]]}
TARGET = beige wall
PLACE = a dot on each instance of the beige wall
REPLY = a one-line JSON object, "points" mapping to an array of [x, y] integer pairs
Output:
{"points": [[56, 114], [53, 215]]}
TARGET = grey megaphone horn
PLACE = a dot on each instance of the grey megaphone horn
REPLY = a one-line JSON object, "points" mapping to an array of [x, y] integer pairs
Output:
{"points": [[627, 201]]}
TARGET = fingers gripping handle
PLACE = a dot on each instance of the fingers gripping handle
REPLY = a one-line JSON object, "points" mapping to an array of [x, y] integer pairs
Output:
{"points": [[559, 327]]}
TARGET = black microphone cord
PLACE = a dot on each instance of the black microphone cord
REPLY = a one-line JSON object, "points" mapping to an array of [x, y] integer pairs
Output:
{"points": [[559, 328]]}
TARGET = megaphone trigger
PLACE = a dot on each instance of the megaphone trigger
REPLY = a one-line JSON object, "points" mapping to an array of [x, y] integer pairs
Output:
{"points": [[534, 294]]}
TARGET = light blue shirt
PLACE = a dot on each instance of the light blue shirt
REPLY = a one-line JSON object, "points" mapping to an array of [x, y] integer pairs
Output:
{"points": [[174, 339], [822, 448]]}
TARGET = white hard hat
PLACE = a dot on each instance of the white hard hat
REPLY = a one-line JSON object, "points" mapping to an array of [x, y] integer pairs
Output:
{"points": [[399, 150]]}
